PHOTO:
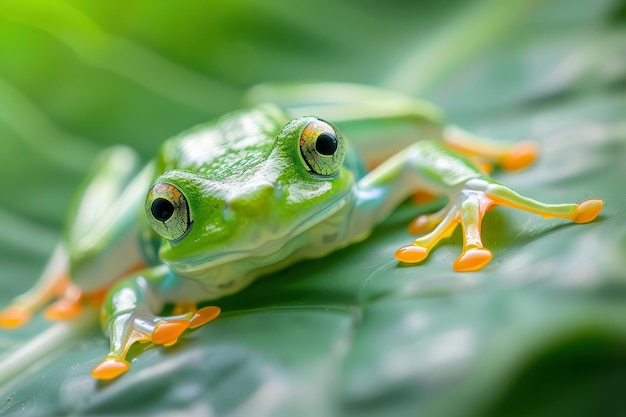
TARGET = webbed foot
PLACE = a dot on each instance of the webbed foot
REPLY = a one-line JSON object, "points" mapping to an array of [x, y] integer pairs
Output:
{"points": [[68, 304], [476, 198], [54, 286], [126, 329]]}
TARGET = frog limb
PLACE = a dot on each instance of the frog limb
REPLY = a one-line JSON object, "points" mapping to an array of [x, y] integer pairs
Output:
{"points": [[344, 102], [129, 315], [476, 198], [101, 237], [471, 193], [99, 243], [384, 112], [468, 210]]}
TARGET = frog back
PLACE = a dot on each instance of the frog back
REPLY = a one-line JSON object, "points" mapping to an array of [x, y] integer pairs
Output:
{"points": [[226, 148]]}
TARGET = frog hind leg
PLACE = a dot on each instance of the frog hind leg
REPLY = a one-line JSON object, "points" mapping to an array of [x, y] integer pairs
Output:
{"points": [[128, 316], [476, 198], [53, 285], [95, 204], [354, 105], [509, 156]]}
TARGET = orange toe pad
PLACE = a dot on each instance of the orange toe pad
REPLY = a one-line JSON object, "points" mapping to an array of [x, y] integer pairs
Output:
{"points": [[63, 310], [588, 210], [522, 155], [411, 254], [110, 368], [167, 332], [14, 317], [420, 225], [472, 260], [203, 316]]}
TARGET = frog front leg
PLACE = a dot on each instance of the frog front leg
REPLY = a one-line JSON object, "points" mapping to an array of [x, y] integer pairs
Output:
{"points": [[130, 314], [430, 166]]}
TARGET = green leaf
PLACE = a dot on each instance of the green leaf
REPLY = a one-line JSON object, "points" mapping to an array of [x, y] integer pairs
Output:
{"points": [[540, 331]]}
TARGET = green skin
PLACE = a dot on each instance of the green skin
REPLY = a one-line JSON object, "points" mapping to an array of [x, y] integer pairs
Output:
{"points": [[256, 197]]}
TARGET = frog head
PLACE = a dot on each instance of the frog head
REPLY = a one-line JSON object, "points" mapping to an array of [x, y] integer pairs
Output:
{"points": [[278, 189]]}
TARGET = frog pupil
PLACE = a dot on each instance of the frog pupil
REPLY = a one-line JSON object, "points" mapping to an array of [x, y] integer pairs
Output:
{"points": [[326, 144], [162, 209]]}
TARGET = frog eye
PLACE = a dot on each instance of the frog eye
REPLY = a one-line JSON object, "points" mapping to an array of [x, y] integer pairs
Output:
{"points": [[322, 148], [167, 211]]}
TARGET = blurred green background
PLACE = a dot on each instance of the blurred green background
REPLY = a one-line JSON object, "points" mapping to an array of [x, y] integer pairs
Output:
{"points": [[540, 331]]}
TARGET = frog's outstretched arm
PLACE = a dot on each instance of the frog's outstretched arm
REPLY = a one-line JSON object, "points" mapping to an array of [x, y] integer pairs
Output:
{"points": [[429, 165], [99, 243], [129, 315]]}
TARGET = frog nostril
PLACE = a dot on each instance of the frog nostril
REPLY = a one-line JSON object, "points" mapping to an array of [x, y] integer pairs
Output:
{"points": [[253, 201], [162, 209]]}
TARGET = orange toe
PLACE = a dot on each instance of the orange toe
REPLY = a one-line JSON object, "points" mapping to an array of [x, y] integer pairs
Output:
{"points": [[14, 316], [420, 225], [588, 210], [167, 332], [411, 254], [110, 368], [203, 316], [472, 260], [423, 197], [63, 310], [522, 155]]}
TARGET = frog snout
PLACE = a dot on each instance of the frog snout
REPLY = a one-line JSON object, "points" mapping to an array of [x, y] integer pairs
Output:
{"points": [[255, 202]]}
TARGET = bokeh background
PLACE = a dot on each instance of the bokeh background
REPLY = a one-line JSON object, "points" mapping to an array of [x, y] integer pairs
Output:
{"points": [[541, 331]]}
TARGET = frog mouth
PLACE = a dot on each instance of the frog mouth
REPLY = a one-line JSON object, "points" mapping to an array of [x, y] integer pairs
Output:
{"points": [[269, 251]]}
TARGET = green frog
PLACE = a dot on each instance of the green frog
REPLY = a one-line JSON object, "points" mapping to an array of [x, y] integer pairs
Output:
{"points": [[257, 190]]}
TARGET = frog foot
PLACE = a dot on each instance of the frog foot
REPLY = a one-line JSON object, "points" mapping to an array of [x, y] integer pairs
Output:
{"points": [[68, 306], [22, 308], [476, 198], [518, 156], [486, 152], [127, 329], [63, 309]]}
